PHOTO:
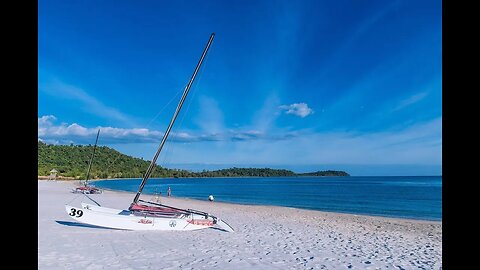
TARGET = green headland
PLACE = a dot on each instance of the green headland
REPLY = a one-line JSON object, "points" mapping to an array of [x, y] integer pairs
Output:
{"points": [[71, 161]]}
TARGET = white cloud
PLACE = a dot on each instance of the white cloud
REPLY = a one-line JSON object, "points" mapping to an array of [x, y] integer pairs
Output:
{"points": [[46, 120], [65, 133], [419, 144], [49, 131], [298, 109]]}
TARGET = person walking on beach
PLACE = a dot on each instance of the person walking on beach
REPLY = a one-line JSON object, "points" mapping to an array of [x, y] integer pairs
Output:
{"points": [[169, 191]]}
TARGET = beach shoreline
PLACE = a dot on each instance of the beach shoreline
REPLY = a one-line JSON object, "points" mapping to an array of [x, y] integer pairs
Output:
{"points": [[266, 237], [193, 200], [420, 199]]}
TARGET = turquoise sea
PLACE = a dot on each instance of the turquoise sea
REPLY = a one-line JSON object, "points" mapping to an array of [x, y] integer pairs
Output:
{"points": [[416, 197]]}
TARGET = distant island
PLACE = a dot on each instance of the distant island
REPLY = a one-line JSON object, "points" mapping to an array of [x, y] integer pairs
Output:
{"points": [[71, 161]]}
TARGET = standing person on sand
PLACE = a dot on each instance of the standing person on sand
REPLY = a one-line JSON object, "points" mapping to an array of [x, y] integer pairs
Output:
{"points": [[169, 191]]}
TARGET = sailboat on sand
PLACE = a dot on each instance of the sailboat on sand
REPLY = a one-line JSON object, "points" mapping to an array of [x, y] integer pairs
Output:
{"points": [[148, 215], [86, 188]]}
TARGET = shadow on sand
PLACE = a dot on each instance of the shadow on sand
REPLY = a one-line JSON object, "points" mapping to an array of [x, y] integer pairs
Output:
{"points": [[218, 229], [78, 224]]}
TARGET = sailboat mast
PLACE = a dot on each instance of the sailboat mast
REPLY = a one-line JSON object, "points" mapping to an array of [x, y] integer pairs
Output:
{"points": [[91, 158], [164, 139]]}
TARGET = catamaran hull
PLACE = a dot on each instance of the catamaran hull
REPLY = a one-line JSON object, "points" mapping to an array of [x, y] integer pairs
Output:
{"points": [[124, 220], [220, 223]]}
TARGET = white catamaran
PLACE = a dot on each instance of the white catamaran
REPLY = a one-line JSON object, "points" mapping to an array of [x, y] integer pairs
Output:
{"points": [[147, 215]]}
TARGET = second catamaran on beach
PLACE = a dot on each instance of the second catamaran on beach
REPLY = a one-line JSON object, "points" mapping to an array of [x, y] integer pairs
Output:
{"points": [[86, 188]]}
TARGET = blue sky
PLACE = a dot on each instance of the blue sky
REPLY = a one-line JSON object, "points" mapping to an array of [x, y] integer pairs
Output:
{"points": [[349, 85]]}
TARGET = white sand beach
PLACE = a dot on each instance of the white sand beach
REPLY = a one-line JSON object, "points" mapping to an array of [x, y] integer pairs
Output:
{"points": [[265, 237]]}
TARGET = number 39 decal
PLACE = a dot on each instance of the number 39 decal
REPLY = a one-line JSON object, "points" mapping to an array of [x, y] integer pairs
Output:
{"points": [[75, 212]]}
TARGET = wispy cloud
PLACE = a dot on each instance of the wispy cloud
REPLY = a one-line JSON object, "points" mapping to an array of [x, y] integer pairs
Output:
{"points": [[338, 57], [88, 103], [264, 118], [419, 144], [65, 133], [210, 116], [410, 100], [298, 109]]}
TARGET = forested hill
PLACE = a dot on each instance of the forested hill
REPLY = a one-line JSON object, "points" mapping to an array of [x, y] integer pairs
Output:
{"points": [[325, 173], [72, 161]]}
